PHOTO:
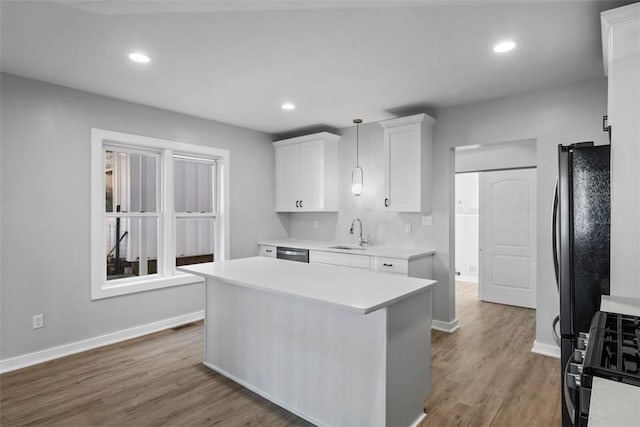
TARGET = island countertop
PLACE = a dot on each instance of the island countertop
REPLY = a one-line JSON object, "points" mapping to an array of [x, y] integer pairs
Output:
{"points": [[352, 289]]}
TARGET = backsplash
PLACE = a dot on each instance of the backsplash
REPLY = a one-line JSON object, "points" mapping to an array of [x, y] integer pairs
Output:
{"points": [[383, 228]]}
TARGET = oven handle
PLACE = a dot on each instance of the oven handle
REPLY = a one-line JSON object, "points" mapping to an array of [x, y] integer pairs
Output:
{"points": [[568, 401]]}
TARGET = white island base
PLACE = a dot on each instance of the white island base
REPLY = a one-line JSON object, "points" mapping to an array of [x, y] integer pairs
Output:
{"points": [[330, 364]]}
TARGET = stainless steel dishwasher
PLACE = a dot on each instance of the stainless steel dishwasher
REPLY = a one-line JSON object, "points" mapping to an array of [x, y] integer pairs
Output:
{"points": [[292, 254]]}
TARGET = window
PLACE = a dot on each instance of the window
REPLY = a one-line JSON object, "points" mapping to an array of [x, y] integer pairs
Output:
{"points": [[155, 205]]}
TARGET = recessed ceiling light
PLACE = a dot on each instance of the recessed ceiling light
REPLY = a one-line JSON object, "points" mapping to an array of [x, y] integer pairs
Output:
{"points": [[504, 46], [139, 57], [288, 106]]}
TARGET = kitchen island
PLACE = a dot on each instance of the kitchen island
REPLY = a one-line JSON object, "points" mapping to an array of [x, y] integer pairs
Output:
{"points": [[335, 345]]}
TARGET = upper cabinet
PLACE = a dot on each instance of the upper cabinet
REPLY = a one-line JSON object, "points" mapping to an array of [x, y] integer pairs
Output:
{"points": [[621, 52], [408, 153], [307, 173]]}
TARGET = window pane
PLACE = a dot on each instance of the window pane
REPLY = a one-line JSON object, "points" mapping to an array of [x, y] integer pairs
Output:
{"points": [[193, 186], [194, 240], [130, 182], [132, 247]]}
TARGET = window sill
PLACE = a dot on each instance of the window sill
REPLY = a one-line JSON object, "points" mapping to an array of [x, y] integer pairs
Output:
{"points": [[108, 290]]}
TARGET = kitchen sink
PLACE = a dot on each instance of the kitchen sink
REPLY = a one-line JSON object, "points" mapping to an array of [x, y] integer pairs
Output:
{"points": [[347, 248]]}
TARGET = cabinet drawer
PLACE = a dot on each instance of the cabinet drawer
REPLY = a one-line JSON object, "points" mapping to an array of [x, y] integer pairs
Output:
{"points": [[333, 258], [390, 265], [266, 250]]}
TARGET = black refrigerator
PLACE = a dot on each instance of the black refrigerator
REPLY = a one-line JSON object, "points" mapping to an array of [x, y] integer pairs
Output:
{"points": [[581, 231]]}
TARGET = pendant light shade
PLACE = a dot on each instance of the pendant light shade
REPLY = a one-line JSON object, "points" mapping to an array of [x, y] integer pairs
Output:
{"points": [[357, 174], [356, 181]]}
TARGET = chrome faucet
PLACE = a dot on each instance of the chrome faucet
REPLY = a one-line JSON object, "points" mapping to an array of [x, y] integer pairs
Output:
{"points": [[362, 241]]}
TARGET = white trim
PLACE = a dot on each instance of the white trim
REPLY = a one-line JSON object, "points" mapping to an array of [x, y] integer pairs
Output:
{"points": [[141, 284], [408, 120], [306, 138], [100, 287], [546, 349], [448, 327], [418, 420], [614, 18], [42, 356]]}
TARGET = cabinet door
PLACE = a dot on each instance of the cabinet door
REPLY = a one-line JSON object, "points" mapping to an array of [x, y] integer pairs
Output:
{"points": [[311, 160], [287, 178], [402, 169]]}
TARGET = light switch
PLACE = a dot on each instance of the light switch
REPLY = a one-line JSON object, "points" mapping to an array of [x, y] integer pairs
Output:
{"points": [[315, 224], [407, 228]]}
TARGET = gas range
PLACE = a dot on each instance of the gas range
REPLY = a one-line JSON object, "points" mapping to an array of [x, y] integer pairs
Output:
{"points": [[610, 350]]}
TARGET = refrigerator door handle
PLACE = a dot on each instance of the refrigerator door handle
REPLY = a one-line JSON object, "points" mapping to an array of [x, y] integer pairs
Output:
{"points": [[554, 330], [554, 237], [556, 263]]}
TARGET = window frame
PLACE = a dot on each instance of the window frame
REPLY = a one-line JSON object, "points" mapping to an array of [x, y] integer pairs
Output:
{"points": [[166, 276]]}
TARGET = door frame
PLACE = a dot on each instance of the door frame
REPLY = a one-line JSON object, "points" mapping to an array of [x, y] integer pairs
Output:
{"points": [[451, 166]]}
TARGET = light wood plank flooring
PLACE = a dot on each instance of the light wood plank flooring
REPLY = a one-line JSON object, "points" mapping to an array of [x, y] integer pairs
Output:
{"points": [[484, 374]]}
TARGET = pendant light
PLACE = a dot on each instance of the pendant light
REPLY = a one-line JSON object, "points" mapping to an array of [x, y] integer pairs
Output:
{"points": [[357, 172]]}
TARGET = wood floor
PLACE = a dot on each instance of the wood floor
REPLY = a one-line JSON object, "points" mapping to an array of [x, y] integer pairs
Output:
{"points": [[483, 375]]}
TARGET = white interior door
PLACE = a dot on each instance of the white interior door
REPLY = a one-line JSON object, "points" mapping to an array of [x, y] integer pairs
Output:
{"points": [[508, 237]]}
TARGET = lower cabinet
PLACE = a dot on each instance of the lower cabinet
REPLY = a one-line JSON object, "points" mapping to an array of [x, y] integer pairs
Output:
{"points": [[421, 267], [267, 250], [335, 258]]}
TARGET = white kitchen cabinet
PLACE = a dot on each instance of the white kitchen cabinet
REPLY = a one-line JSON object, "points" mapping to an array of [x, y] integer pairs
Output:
{"points": [[307, 173], [621, 52], [267, 250], [335, 258], [408, 153], [420, 266], [390, 265]]}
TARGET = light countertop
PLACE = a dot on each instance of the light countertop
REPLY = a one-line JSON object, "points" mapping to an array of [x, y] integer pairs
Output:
{"points": [[380, 251], [614, 404], [623, 305], [356, 290]]}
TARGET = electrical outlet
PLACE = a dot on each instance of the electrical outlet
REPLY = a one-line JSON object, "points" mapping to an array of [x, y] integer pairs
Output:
{"points": [[38, 321], [407, 228], [427, 220], [315, 224]]}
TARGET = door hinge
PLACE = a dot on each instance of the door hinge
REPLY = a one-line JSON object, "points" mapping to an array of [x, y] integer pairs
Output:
{"points": [[606, 127]]}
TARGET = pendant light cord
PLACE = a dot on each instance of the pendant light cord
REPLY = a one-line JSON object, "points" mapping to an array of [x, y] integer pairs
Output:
{"points": [[358, 144]]}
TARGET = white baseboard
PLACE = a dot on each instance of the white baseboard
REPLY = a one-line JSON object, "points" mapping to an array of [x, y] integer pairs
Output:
{"points": [[546, 349], [449, 327], [418, 420], [41, 356]]}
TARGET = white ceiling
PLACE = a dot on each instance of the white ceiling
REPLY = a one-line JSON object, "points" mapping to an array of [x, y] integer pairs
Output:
{"points": [[238, 61]]}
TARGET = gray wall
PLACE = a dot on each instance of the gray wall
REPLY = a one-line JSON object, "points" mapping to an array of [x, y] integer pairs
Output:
{"points": [[550, 117], [45, 265]]}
